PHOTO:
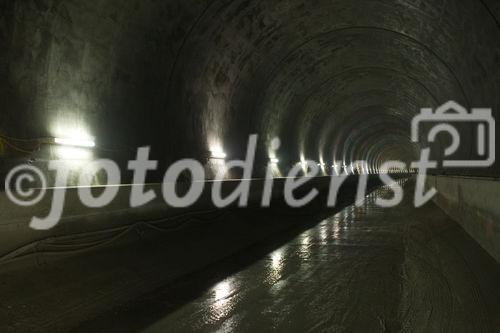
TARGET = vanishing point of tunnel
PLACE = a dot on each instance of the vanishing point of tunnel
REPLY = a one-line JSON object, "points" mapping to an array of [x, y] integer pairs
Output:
{"points": [[249, 166]]}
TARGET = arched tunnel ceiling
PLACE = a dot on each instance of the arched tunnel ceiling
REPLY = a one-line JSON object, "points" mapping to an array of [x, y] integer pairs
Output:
{"points": [[335, 80], [290, 71]]}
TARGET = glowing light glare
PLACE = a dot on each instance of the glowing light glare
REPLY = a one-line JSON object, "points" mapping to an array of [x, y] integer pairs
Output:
{"points": [[304, 165], [303, 162], [273, 162], [222, 299], [73, 145], [72, 135], [336, 168], [277, 264], [218, 154], [276, 258], [222, 290], [73, 153], [322, 163], [323, 233], [85, 143], [345, 169]]}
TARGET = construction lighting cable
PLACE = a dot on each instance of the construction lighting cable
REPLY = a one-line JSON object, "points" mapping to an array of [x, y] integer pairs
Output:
{"points": [[88, 241], [17, 148]]}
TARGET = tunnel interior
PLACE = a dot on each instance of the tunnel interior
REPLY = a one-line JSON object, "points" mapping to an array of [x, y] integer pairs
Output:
{"points": [[336, 81], [338, 84]]}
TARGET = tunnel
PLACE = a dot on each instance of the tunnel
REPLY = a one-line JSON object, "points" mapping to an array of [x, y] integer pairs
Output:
{"points": [[249, 166]]}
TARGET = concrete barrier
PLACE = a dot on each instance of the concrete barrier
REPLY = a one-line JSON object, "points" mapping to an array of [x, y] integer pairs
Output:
{"points": [[81, 226], [475, 204]]}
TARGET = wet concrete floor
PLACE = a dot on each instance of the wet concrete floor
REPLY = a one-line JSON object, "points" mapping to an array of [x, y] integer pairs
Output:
{"points": [[363, 269]]}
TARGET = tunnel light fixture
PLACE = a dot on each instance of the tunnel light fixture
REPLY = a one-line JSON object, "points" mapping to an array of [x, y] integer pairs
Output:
{"points": [[71, 153], [336, 168], [304, 165], [218, 154], [69, 142]]}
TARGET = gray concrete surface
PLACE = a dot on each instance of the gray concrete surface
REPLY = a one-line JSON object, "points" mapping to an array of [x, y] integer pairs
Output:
{"points": [[473, 203], [363, 269]]}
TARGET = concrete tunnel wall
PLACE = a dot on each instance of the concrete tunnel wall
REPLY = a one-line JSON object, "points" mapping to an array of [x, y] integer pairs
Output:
{"points": [[187, 76], [337, 84], [473, 203]]}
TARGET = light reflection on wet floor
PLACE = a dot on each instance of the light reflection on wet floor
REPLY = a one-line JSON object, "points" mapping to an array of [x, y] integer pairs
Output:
{"points": [[316, 281], [364, 269]]}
